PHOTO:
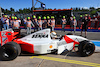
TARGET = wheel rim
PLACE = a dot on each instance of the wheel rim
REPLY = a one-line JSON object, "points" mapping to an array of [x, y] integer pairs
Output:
{"points": [[88, 49], [8, 52]]}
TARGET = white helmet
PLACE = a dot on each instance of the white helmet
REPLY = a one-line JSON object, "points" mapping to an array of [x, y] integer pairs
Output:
{"points": [[53, 34]]}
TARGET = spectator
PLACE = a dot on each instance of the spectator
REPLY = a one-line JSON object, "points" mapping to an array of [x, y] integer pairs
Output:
{"points": [[48, 22], [0, 24], [98, 25], [52, 23], [44, 23], [35, 22], [25, 20], [4, 18], [74, 23], [84, 25], [12, 21], [71, 23], [19, 21], [29, 23], [40, 23], [92, 22], [15, 23], [63, 23], [89, 17], [7, 22], [80, 21]]}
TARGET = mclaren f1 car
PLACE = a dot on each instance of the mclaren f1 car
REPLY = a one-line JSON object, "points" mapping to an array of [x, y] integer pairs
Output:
{"points": [[42, 42]]}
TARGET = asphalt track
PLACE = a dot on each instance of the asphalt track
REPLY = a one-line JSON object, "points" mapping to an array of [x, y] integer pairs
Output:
{"points": [[53, 60]]}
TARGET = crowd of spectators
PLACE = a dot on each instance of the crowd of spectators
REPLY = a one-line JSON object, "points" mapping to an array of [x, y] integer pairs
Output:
{"points": [[39, 23]]}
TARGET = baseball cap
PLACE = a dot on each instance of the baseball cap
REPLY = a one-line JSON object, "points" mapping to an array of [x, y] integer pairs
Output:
{"points": [[28, 18], [73, 17], [48, 17], [52, 17], [39, 17], [34, 16], [15, 18], [44, 18], [64, 17]]}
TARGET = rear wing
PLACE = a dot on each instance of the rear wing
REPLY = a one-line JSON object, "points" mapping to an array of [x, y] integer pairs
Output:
{"points": [[7, 36]]}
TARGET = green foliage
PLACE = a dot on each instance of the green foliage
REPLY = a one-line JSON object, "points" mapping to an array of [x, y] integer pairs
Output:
{"points": [[93, 12]]}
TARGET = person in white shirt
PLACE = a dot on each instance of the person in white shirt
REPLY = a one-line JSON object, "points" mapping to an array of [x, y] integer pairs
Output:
{"points": [[74, 23], [15, 23], [7, 22], [52, 23], [40, 23], [29, 23], [19, 21]]}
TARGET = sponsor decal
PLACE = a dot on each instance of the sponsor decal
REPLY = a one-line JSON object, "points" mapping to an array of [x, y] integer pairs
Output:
{"points": [[40, 35], [4, 38], [3, 33]]}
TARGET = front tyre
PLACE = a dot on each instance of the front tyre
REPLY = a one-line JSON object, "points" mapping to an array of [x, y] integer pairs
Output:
{"points": [[86, 48], [9, 51]]}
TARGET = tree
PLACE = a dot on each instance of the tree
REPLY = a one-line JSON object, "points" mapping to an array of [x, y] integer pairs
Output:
{"points": [[93, 12], [2, 9], [11, 9], [20, 11]]}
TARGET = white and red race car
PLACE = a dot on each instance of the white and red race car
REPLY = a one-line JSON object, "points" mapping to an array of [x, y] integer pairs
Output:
{"points": [[41, 42]]}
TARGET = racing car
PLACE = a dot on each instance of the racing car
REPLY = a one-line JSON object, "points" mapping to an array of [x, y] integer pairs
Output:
{"points": [[42, 42]]}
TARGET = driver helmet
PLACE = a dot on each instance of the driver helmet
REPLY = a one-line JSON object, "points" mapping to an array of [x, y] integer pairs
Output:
{"points": [[53, 34]]}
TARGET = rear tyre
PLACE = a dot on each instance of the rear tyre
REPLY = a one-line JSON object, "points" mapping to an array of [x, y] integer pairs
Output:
{"points": [[9, 51], [86, 48]]}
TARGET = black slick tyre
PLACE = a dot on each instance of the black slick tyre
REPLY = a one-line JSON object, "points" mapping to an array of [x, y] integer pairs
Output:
{"points": [[86, 48], [9, 51]]}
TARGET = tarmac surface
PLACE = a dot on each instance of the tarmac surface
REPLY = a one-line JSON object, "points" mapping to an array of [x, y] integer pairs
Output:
{"points": [[53, 60]]}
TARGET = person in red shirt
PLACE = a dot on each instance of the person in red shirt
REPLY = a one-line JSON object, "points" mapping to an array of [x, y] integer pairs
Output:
{"points": [[98, 24]]}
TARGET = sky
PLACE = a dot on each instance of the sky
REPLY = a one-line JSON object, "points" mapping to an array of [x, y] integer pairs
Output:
{"points": [[58, 4]]}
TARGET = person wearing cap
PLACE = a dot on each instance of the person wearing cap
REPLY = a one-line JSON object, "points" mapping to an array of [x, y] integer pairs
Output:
{"points": [[4, 22], [80, 21], [40, 23], [52, 23], [12, 21], [15, 23], [71, 23], [74, 23], [29, 23], [63, 23], [35, 22], [24, 20], [44, 22], [85, 25], [48, 22]]}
